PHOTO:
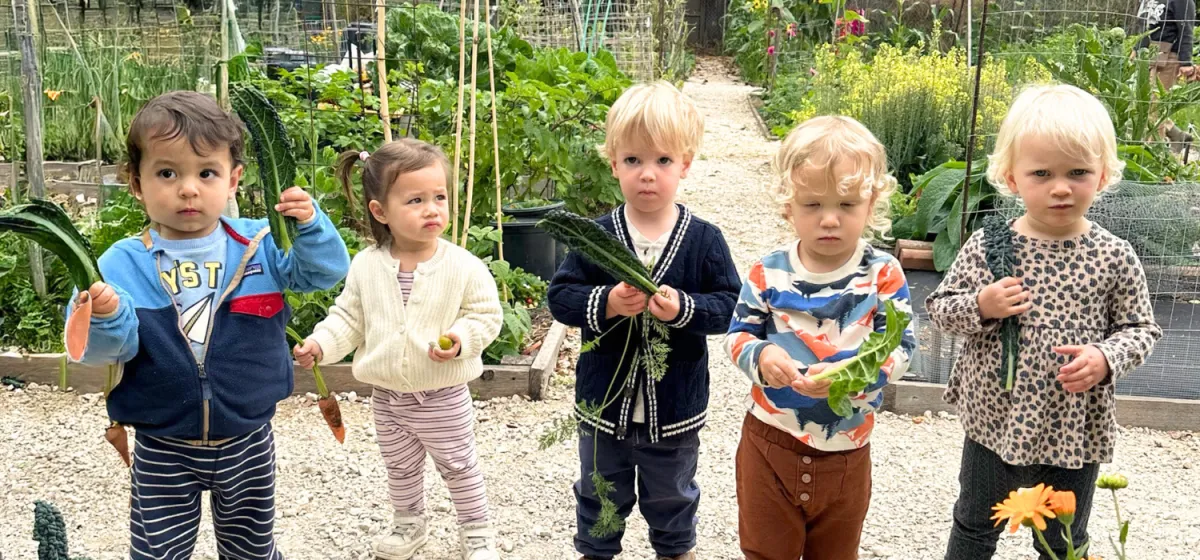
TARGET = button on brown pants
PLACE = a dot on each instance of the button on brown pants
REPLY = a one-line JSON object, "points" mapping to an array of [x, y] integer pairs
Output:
{"points": [[796, 501]]}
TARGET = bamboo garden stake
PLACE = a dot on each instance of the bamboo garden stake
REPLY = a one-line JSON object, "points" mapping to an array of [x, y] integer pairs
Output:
{"points": [[495, 136], [381, 69], [462, 62], [474, 104]]}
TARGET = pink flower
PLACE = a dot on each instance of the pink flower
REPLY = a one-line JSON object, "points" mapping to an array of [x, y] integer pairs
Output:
{"points": [[771, 50], [771, 33], [791, 30], [812, 71]]}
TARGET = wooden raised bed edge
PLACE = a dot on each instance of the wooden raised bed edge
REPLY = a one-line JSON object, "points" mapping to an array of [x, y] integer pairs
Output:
{"points": [[914, 255], [496, 381], [914, 398], [755, 102]]}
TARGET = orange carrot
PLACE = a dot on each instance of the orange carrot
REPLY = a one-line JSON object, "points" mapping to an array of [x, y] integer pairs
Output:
{"points": [[77, 327], [119, 438], [333, 416]]}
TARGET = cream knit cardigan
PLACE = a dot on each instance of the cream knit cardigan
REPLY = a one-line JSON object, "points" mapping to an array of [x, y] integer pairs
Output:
{"points": [[453, 292]]}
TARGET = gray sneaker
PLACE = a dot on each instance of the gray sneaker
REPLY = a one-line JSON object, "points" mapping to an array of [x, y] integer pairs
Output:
{"points": [[408, 536], [479, 542]]}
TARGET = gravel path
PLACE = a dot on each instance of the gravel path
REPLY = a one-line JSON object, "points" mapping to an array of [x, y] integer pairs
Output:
{"points": [[332, 500]]}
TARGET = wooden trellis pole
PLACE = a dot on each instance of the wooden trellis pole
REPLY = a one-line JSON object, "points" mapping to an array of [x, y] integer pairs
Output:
{"points": [[458, 118], [495, 137], [972, 138], [25, 20], [381, 69], [474, 102]]}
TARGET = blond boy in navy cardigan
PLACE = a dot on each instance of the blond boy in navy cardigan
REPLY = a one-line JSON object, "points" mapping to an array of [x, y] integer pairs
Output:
{"points": [[648, 436]]}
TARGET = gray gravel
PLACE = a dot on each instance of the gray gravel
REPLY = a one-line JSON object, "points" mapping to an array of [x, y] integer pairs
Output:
{"points": [[332, 500]]}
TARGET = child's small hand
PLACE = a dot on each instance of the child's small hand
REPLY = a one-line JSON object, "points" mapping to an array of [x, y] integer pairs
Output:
{"points": [[104, 299], [776, 366], [625, 300], [438, 355], [814, 389], [295, 203], [308, 353], [1087, 369], [665, 304], [1004, 298]]}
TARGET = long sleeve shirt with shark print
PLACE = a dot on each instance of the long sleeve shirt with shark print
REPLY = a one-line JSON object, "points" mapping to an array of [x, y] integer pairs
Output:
{"points": [[818, 318]]}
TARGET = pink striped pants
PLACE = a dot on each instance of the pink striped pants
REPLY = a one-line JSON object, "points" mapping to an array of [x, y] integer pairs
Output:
{"points": [[441, 422]]}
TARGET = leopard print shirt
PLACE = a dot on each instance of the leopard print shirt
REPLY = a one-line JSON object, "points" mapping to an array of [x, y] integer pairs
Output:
{"points": [[1087, 290]]}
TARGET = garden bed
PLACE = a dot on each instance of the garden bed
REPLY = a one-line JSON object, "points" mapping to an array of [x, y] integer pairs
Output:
{"points": [[62, 177], [756, 102], [528, 377]]}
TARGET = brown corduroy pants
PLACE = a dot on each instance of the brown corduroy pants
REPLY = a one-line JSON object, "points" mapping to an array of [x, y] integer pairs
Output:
{"points": [[795, 501]]}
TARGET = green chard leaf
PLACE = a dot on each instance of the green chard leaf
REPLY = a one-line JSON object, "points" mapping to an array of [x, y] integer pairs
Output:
{"points": [[854, 375]]}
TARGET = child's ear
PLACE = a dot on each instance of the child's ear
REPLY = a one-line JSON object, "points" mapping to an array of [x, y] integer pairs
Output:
{"points": [[612, 162], [1011, 181], [376, 210], [687, 164], [135, 186], [235, 178]]}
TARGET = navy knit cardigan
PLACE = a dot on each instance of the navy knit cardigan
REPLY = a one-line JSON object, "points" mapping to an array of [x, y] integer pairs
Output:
{"points": [[696, 262]]}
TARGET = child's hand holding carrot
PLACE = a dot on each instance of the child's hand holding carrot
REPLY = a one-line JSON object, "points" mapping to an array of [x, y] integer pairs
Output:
{"points": [[104, 299], [308, 353], [437, 354]]}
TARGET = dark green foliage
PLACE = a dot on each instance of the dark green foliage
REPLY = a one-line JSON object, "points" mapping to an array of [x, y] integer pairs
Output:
{"points": [[273, 150], [50, 532], [598, 246], [45, 223], [1001, 259]]}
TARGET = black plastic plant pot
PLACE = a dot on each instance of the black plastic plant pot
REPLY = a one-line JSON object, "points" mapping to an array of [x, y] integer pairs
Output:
{"points": [[527, 246]]}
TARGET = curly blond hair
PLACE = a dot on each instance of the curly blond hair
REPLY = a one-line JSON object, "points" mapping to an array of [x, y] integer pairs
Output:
{"points": [[1065, 115], [824, 143]]}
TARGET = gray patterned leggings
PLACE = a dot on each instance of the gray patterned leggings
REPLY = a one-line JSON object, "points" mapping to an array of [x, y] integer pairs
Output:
{"points": [[986, 480]]}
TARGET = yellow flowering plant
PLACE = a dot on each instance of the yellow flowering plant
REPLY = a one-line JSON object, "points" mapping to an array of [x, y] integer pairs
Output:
{"points": [[1031, 507]]}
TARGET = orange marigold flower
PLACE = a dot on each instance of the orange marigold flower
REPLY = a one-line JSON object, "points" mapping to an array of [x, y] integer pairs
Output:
{"points": [[1025, 506], [53, 94], [1062, 503]]}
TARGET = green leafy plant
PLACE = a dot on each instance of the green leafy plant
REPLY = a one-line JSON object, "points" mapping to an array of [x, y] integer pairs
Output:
{"points": [[600, 247], [50, 532], [430, 35], [46, 224], [855, 374], [273, 150], [1001, 260], [551, 109], [939, 207]]}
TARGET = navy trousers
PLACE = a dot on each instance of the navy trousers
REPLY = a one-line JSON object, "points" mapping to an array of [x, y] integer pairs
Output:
{"points": [[167, 480], [659, 477]]}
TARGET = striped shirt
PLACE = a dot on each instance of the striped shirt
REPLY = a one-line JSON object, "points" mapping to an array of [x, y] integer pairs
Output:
{"points": [[817, 318], [406, 284]]}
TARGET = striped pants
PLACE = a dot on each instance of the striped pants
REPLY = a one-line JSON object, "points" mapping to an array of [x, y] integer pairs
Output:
{"points": [[441, 423], [167, 479]]}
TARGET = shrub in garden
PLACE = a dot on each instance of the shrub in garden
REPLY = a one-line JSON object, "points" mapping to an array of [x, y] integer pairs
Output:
{"points": [[917, 101]]}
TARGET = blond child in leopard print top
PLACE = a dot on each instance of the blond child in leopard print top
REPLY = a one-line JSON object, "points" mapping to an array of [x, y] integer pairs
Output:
{"points": [[1083, 309]]}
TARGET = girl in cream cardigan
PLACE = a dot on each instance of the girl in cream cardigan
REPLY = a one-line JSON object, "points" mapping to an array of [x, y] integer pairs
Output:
{"points": [[401, 296]]}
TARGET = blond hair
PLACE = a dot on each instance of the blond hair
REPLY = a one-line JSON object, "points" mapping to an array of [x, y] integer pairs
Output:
{"points": [[1065, 115], [824, 143], [658, 113]]}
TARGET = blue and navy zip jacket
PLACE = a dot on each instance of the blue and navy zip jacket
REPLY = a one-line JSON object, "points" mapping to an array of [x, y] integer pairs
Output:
{"points": [[164, 389], [697, 263]]}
